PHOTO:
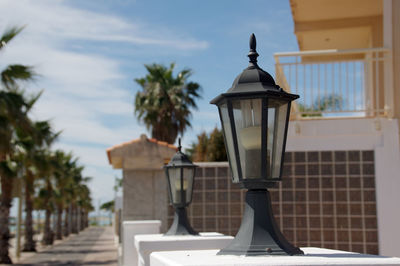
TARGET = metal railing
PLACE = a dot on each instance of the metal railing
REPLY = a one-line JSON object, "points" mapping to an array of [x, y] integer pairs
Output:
{"points": [[338, 83]]}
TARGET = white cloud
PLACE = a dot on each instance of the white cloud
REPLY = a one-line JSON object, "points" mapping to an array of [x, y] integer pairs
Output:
{"points": [[91, 156], [73, 73], [55, 19], [206, 115], [82, 120], [102, 184]]}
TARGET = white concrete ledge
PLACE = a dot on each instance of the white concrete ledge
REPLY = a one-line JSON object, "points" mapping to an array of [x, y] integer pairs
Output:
{"points": [[313, 256], [146, 244]]}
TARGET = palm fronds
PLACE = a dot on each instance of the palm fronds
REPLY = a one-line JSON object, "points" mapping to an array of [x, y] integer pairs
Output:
{"points": [[9, 34], [164, 104]]}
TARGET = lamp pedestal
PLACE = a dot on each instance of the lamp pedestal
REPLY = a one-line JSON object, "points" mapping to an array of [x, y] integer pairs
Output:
{"points": [[259, 234], [181, 225]]}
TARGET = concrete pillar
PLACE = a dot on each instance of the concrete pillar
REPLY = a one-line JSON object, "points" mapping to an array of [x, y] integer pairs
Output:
{"points": [[144, 184]]}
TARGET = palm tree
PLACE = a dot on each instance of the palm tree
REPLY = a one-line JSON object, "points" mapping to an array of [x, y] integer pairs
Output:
{"points": [[61, 175], [12, 74], [41, 138], [74, 177], [63, 165], [164, 102], [83, 202], [79, 194], [8, 173], [13, 115], [45, 170], [87, 207]]}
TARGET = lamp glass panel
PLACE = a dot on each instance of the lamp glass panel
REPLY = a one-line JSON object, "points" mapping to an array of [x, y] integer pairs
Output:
{"points": [[230, 149], [277, 112], [247, 116], [270, 139], [174, 174], [188, 178]]}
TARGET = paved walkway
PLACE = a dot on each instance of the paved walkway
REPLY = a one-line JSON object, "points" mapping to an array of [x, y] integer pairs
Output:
{"points": [[93, 246]]}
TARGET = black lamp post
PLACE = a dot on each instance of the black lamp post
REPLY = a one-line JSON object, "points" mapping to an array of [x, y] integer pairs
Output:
{"points": [[254, 114], [180, 173]]}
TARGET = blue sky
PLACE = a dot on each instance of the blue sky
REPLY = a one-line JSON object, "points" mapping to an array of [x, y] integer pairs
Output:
{"points": [[88, 53]]}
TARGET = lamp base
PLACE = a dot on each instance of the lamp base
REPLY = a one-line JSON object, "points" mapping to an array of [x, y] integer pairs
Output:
{"points": [[259, 234], [180, 225]]}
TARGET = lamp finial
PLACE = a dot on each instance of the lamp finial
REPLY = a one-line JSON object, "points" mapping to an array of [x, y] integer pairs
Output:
{"points": [[253, 53], [179, 144]]}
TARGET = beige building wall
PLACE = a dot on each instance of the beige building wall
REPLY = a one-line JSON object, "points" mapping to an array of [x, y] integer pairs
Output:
{"points": [[337, 24]]}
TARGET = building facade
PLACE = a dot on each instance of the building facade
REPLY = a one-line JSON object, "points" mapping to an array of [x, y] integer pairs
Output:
{"points": [[346, 73]]}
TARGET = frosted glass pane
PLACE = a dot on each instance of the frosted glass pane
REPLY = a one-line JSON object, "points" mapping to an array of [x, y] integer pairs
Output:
{"points": [[229, 141], [188, 176], [270, 138], [175, 185], [247, 116], [277, 133]]}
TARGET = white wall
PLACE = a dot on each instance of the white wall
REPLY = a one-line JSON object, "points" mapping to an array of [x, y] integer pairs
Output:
{"points": [[380, 135]]}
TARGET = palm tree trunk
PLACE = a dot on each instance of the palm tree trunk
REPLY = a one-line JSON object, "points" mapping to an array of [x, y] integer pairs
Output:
{"points": [[74, 228], [6, 201], [59, 222], [82, 219], [48, 234], [159, 132], [66, 221], [78, 219], [54, 223], [29, 244], [38, 220], [87, 219]]}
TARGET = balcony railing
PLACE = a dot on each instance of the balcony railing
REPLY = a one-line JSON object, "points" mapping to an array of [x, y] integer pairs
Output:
{"points": [[338, 83]]}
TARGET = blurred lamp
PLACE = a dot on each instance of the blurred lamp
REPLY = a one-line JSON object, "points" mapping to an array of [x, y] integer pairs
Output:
{"points": [[180, 173]]}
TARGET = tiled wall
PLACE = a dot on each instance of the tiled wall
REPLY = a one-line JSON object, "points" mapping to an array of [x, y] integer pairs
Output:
{"points": [[326, 199]]}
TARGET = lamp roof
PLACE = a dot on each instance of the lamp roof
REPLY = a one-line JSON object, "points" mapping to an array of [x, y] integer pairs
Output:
{"points": [[254, 80], [180, 159]]}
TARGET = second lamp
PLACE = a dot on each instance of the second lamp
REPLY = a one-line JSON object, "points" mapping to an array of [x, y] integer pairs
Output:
{"points": [[180, 173]]}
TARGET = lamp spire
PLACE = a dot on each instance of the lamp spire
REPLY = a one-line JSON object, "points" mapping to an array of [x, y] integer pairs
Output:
{"points": [[179, 144], [253, 53]]}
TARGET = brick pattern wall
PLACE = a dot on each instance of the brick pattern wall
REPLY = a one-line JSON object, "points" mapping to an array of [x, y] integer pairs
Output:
{"points": [[326, 199], [217, 203]]}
